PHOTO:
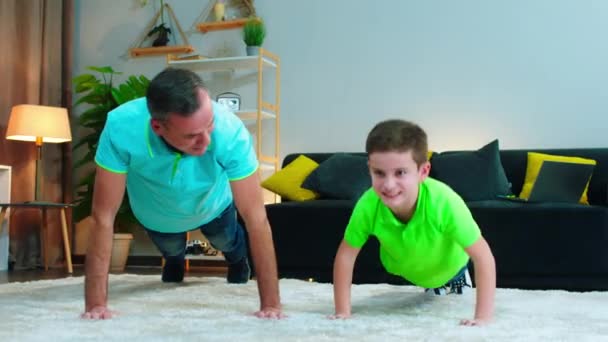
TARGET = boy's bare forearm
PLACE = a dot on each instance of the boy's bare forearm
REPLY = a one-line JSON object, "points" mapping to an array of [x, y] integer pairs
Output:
{"points": [[342, 284], [343, 278], [485, 280]]}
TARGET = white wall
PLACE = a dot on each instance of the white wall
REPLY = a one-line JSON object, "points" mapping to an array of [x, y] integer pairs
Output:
{"points": [[531, 73]]}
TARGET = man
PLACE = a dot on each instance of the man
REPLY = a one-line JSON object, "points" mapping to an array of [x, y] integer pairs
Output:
{"points": [[186, 162]]}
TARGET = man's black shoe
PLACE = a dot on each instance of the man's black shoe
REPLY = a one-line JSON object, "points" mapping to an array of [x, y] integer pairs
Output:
{"points": [[173, 272], [239, 272]]}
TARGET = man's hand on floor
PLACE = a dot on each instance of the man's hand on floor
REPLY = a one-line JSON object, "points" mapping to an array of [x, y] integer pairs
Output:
{"points": [[270, 313], [99, 312]]}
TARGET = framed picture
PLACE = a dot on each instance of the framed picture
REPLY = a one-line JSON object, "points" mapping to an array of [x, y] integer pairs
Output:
{"points": [[230, 100]]}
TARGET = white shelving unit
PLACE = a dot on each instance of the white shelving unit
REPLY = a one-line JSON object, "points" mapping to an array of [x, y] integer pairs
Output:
{"points": [[252, 115], [263, 110], [197, 235], [225, 63], [219, 257], [5, 197]]}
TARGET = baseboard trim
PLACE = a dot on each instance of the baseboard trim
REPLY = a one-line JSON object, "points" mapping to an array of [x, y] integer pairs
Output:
{"points": [[154, 260]]}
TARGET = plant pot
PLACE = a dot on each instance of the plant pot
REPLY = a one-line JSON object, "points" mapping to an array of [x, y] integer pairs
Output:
{"points": [[218, 11], [121, 244], [120, 252], [253, 50]]}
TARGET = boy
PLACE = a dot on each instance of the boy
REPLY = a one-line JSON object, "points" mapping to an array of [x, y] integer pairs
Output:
{"points": [[425, 230]]}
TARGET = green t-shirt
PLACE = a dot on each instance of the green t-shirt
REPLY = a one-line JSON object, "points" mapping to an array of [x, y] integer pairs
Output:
{"points": [[429, 249]]}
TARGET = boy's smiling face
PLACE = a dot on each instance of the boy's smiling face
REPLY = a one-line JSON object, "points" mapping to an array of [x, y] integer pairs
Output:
{"points": [[396, 178]]}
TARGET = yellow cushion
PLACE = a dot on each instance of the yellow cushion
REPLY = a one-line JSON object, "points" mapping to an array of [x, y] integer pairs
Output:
{"points": [[429, 154], [287, 182], [535, 161]]}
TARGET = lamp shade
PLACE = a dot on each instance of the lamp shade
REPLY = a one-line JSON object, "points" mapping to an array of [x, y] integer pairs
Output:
{"points": [[28, 122]]}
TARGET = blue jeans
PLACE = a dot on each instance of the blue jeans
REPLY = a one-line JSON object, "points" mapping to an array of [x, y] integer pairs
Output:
{"points": [[224, 234], [460, 273], [455, 284]]}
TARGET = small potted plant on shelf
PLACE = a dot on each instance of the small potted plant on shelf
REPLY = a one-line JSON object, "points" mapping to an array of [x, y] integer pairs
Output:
{"points": [[162, 30], [254, 32], [102, 95]]}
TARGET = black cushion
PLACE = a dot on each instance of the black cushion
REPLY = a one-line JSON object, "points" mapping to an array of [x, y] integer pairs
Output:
{"points": [[474, 175], [341, 176]]}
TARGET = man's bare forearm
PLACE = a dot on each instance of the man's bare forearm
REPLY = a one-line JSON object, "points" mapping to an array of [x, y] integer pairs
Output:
{"points": [[97, 264], [264, 259]]}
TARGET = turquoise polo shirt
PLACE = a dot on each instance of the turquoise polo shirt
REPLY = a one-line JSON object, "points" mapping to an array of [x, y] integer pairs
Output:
{"points": [[169, 191]]}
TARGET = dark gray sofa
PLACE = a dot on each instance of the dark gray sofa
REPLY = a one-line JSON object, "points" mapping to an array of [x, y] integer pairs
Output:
{"points": [[536, 246]]}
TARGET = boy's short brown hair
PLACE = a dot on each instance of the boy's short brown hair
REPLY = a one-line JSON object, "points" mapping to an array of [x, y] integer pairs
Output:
{"points": [[400, 136]]}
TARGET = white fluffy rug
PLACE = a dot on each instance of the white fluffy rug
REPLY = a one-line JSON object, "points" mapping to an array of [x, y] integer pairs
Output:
{"points": [[203, 309]]}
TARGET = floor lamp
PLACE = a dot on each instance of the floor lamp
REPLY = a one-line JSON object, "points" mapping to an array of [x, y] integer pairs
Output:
{"points": [[40, 124]]}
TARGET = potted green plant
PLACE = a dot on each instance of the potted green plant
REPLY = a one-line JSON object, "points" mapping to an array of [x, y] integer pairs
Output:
{"points": [[254, 32], [162, 30], [101, 96]]}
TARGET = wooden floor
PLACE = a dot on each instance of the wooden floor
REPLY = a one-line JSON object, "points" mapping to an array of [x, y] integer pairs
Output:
{"points": [[41, 274]]}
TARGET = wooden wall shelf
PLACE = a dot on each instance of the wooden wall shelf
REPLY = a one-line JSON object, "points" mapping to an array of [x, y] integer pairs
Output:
{"points": [[221, 25], [160, 50]]}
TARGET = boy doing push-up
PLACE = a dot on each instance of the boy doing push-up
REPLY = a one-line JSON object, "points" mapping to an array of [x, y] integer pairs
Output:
{"points": [[426, 232]]}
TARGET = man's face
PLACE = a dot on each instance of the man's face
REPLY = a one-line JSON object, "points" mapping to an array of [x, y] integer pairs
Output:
{"points": [[395, 178], [192, 134]]}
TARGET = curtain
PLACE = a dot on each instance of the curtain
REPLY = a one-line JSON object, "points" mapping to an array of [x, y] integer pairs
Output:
{"points": [[35, 64]]}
